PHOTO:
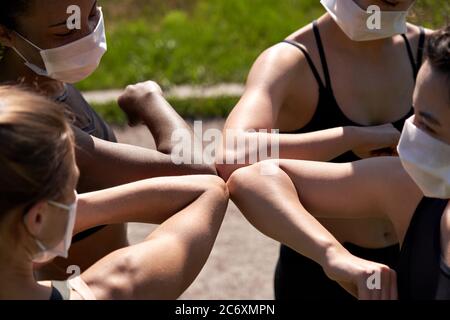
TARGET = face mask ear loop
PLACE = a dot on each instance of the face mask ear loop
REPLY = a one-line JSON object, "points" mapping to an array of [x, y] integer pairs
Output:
{"points": [[27, 41], [19, 54], [59, 205]]}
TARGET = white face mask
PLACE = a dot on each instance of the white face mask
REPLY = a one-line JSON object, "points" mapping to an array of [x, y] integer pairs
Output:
{"points": [[75, 61], [62, 248], [427, 161], [354, 21]]}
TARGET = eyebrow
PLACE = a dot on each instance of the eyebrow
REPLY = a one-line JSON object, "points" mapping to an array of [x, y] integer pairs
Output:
{"points": [[429, 118], [58, 24], [65, 21]]}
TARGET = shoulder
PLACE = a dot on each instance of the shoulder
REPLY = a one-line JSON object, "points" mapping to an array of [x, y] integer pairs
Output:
{"points": [[446, 222], [73, 92], [414, 33], [280, 61], [47, 284], [285, 58], [76, 100], [445, 235], [282, 68]]}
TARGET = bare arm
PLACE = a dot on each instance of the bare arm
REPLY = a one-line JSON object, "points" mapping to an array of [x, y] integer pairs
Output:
{"points": [[283, 206], [146, 201], [167, 262], [106, 164], [445, 235], [276, 74], [371, 188], [144, 102]]}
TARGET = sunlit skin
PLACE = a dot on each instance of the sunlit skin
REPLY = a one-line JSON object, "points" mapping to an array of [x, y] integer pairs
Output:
{"points": [[18, 232], [44, 24], [373, 84], [379, 187], [161, 267]]}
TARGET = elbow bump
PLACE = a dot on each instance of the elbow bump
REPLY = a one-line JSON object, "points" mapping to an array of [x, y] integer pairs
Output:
{"points": [[247, 178], [219, 187]]}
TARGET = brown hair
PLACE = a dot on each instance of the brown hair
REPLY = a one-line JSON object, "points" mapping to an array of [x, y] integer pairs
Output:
{"points": [[438, 50], [35, 139], [10, 9]]}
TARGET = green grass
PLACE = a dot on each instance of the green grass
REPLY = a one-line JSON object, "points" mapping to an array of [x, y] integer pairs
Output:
{"points": [[204, 41], [187, 108]]}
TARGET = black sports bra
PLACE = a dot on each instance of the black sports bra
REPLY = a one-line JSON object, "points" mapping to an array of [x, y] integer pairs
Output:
{"points": [[328, 113], [422, 273]]}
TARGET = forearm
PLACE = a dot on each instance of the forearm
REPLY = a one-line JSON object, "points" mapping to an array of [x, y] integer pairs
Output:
{"points": [[147, 201], [170, 258], [162, 120], [144, 103], [271, 204], [192, 232], [322, 145], [105, 164]]}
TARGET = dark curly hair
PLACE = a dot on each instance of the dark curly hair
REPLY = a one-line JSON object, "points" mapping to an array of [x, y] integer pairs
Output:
{"points": [[439, 50], [10, 9]]}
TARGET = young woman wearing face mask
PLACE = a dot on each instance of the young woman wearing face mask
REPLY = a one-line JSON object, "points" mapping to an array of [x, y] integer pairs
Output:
{"points": [[40, 212], [283, 205], [41, 52], [337, 91]]}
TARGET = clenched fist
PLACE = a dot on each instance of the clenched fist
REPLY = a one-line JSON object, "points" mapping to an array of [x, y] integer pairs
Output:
{"points": [[136, 98]]}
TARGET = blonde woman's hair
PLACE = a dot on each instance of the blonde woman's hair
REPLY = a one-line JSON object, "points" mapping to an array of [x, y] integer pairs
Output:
{"points": [[35, 140]]}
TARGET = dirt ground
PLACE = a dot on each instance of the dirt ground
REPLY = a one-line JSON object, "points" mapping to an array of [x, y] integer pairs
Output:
{"points": [[242, 263]]}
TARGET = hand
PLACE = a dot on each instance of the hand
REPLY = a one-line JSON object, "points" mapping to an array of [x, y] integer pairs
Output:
{"points": [[377, 141], [136, 98], [363, 279]]}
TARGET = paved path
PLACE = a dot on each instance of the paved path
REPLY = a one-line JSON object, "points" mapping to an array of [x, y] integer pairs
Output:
{"points": [[178, 92]]}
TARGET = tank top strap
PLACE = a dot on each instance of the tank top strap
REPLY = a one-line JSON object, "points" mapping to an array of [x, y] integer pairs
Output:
{"points": [[416, 64], [323, 59], [421, 48], [410, 55], [308, 59]]}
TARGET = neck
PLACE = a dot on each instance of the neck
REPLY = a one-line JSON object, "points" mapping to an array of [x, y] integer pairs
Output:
{"points": [[17, 278], [14, 71], [335, 32]]}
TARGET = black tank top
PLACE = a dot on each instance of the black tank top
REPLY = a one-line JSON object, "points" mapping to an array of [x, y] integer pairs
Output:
{"points": [[422, 273], [91, 123], [86, 118], [328, 113]]}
